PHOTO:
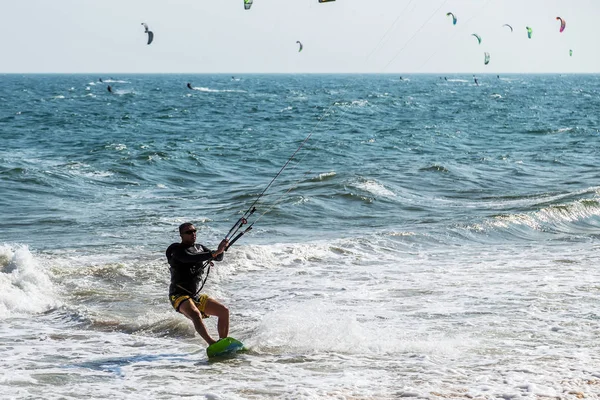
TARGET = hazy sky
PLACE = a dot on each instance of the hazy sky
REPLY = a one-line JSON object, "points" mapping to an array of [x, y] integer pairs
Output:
{"points": [[379, 36]]}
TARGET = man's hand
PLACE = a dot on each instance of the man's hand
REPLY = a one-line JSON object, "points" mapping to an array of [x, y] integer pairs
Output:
{"points": [[223, 245]]}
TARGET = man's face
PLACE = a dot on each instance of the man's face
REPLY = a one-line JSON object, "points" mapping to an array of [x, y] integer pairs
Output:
{"points": [[189, 234]]}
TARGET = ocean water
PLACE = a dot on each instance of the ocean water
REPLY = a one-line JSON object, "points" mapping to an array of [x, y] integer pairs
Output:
{"points": [[432, 238]]}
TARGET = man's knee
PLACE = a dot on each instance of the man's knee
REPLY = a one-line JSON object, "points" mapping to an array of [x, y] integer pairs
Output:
{"points": [[225, 312], [190, 311], [195, 315], [222, 311]]}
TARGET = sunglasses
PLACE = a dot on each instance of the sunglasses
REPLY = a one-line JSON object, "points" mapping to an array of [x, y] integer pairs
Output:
{"points": [[190, 232]]}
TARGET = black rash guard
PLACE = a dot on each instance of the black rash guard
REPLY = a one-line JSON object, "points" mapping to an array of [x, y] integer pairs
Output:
{"points": [[186, 267]]}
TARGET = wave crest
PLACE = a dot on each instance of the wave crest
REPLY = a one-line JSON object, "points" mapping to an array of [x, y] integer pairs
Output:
{"points": [[25, 288]]}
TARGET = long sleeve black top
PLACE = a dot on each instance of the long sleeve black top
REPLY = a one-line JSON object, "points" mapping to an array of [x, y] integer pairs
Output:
{"points": [[186, 266]]}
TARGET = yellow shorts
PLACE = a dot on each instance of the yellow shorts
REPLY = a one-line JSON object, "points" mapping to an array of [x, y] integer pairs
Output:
{"points": [[199, 302]]}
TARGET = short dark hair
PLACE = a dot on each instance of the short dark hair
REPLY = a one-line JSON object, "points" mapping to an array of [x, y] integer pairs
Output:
{"points": [[184, 226]]}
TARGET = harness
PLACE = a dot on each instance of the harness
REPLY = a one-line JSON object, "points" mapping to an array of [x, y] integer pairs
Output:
{"points": [[205, 265]]}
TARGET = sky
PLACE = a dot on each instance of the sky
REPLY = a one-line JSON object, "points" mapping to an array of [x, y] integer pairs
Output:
{"points": [[344, 36]]}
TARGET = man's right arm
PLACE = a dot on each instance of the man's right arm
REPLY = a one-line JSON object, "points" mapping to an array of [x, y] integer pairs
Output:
{"points": [[218, 255]]}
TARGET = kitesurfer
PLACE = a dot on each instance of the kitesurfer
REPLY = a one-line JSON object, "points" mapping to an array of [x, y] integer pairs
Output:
{"points": [[100, 79], [475, 79], [187, 261], [189, 85], [109, 89]]}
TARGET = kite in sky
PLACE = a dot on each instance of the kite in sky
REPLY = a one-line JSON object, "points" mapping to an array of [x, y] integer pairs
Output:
{"points": [[453, 18], [477, 37], [529, 32], [562, 24], [301, 47], [247, 4], [511, 28], [149, 32]]}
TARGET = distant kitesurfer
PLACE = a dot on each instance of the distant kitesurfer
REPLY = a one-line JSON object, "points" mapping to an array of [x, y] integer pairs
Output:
{"points": [[100, 79], [187, 261], [445, 78], [109, 89], [189, 85], [400, 78], [475, 79]]}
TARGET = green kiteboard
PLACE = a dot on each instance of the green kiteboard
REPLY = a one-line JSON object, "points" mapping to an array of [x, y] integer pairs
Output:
{"points": [[224, 347]]}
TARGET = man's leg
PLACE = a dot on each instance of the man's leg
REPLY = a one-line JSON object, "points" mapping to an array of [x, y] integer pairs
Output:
{"points": [[217, 309], [189, 309]]}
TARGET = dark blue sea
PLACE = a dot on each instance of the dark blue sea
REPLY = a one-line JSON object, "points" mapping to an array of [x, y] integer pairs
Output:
{"points": [[430, 236]]}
